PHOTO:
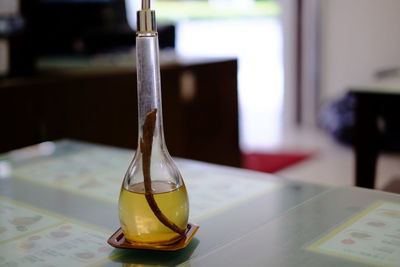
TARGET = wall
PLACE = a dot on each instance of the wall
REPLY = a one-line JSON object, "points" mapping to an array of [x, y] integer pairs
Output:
{"points": [[8, 7], [358, 38], [289, 57]]}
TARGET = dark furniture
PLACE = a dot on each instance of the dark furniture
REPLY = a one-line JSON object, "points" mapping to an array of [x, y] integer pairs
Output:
{"points": [[99, 105], [377, 127]]}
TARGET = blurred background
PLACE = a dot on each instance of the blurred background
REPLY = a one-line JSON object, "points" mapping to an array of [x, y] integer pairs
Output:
{"points": [[261, 84]]}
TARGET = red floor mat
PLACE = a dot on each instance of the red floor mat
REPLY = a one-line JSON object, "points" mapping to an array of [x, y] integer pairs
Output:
{"points": [[271, 162]]}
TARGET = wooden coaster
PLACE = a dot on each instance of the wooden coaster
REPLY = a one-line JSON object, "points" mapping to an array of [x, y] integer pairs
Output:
{"points": [[118, 240]]}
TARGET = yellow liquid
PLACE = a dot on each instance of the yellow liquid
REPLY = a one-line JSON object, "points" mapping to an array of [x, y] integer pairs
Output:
{"points": [[138, 221]]}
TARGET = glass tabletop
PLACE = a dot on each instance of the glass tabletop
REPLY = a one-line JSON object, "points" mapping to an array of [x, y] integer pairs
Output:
{"points": [[58, 206], [341, 227]]}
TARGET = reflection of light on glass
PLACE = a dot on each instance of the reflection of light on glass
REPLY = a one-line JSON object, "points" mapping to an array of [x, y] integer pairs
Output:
{"points": [[42, 149], [46, 148], [143, 224], [5, 169]]}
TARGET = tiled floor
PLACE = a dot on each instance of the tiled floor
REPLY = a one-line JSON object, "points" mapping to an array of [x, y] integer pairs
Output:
{"points": [[331, 163]]}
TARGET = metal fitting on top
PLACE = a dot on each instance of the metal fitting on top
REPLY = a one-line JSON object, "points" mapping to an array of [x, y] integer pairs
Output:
{"points": [[146, 19]]}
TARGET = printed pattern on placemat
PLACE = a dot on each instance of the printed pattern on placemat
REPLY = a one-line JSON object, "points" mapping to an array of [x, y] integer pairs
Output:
{"points": [[98, 173], [372, 236], [33, 237]]}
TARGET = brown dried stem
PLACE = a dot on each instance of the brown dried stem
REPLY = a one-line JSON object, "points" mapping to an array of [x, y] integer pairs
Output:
{"points": [[146, 144]]}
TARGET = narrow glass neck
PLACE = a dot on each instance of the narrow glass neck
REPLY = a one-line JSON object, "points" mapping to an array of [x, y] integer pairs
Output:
{"points": [[148, 83]]}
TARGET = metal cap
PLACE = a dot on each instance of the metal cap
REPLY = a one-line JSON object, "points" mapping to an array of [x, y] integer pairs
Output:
{"points": [[146, 19]]}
